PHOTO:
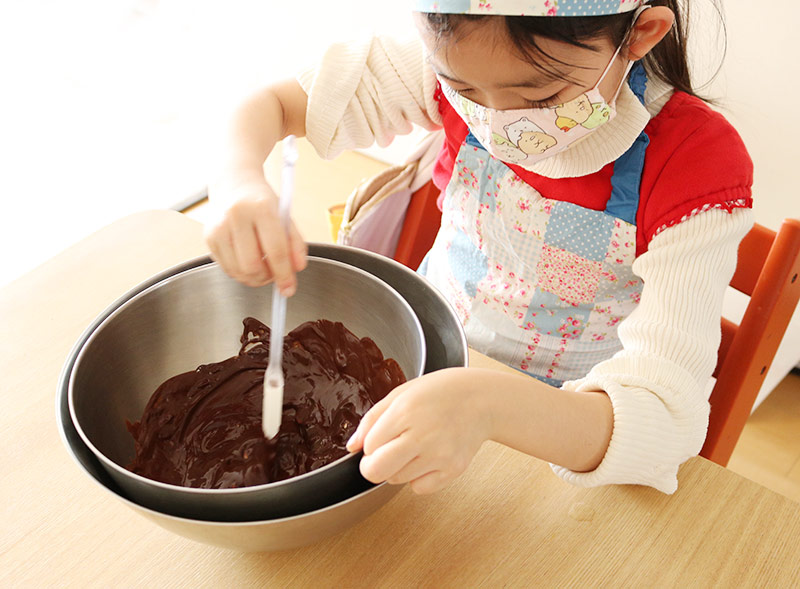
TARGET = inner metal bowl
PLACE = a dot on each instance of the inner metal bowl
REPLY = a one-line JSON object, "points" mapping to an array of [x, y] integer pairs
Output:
{"points": [[194, 317]]}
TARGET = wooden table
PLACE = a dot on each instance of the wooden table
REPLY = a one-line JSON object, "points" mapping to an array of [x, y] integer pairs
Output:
{"points": [[509, 521]]}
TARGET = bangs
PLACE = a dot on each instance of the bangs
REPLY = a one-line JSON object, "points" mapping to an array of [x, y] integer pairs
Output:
{"points": [[523, 32]]}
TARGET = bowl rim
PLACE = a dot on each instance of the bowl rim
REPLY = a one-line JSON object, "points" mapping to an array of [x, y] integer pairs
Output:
{"points": [[171, 275], [432, 291]]}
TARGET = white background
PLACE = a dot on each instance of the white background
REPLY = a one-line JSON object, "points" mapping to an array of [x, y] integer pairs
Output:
{"points": [[109, 107]]}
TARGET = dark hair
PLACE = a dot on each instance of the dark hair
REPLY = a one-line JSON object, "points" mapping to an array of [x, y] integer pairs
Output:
{"points": [[667, 60]]}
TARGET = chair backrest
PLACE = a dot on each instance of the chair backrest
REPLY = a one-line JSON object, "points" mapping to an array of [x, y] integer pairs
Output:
{"points": [[767, 270], [420, 226]]}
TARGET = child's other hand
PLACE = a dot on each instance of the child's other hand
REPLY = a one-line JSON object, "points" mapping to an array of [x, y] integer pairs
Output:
{"points": [[249, 242], [425, 431]]}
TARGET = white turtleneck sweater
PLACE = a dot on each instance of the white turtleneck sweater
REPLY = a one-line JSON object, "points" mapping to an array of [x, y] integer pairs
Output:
{"points": [[361, 93]]}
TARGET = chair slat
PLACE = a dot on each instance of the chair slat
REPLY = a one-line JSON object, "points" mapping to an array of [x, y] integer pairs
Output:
{"points": [[746, 358], [729, 329], [753, 252]]}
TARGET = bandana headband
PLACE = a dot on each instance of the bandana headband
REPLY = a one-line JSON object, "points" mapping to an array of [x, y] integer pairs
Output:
{"points": [[529, 7]]}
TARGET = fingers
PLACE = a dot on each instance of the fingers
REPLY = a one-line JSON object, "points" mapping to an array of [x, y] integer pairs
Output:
{"points": [[251, 245], [251, 268], [404, 441], [299, 249], [221, 246], [356, 441], [391, 463], [274, 242], [411, 471], [389, 460], [417, 472]]}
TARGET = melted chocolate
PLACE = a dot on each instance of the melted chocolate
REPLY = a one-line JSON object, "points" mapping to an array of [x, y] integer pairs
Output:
{"points": [[203, 428]]}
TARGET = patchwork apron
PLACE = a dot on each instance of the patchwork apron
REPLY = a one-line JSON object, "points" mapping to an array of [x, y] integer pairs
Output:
{"points": [[538, 284]]}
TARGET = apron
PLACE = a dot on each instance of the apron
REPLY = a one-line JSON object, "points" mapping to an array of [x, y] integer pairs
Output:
{"points": [[539, 284]]}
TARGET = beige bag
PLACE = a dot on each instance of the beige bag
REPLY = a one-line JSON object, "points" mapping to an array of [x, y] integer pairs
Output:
{"points": [[374, 213]]}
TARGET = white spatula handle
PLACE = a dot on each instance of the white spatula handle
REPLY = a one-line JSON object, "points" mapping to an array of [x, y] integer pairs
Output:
{"points": [[272, 409]]}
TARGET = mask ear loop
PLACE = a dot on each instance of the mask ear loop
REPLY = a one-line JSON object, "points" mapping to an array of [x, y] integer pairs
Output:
{"points": [[636, 14]]}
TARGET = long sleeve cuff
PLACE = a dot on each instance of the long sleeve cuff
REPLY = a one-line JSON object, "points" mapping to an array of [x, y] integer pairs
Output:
{"points": [[642, 450]]}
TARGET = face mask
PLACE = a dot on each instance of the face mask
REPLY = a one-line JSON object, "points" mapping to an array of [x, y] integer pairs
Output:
{"points": [[526, 136]]}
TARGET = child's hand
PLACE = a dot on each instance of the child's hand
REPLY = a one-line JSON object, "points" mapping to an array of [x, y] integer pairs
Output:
{"points": [[249, 242], [425, 431]]}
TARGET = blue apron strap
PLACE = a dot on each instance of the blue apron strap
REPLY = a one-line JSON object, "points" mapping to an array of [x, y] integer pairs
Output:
{"points": [[473, 141], [637, 80], [627, 178]]}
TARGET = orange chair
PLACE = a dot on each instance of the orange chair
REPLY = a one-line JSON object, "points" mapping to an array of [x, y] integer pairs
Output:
{"points": [[420, 226], [767, 271]]}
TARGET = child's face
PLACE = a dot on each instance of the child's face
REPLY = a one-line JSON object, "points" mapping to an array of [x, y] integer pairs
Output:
{"points": [[479, 62]]}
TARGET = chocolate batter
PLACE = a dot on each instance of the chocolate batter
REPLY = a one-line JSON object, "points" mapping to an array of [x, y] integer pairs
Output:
{"points": [[203, 428]]}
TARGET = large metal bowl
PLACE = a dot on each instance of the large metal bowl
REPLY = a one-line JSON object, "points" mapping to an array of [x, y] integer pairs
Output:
{"points": [[194, 317], [446, 347]]}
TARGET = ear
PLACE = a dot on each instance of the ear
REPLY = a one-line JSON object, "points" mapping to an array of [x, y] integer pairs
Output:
{"points": [[652, 25]]}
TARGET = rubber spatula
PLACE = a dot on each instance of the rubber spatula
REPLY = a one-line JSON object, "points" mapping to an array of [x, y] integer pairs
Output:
{"points": [[272, 410]]}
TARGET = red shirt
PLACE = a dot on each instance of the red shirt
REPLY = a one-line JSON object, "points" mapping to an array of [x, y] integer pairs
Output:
{"points": [[695, 161]]}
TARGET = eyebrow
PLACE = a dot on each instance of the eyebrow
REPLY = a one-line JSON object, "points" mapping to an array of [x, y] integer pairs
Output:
{"points": [[540, 82]]}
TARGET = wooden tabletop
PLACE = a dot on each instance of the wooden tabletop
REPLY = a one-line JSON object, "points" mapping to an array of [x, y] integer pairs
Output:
{"points": [[509, 521]]}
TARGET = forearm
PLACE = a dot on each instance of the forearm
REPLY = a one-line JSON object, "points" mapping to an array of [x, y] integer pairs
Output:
{"points": [[568, 428], [256, 126]]}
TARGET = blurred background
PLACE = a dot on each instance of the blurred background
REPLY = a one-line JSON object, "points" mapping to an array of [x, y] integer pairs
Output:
{"points": [[110, 107]]}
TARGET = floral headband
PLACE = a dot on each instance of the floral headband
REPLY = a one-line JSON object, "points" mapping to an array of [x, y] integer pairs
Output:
{"points": [[529, 7]]}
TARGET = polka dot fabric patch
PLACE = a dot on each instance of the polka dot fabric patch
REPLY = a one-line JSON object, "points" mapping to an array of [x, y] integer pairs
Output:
{"points": [[590, 7], [528, 7], [581, 231]]}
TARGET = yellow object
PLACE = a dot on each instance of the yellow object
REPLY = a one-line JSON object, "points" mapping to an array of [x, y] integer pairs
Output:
{"points": [[565, 123], [335, 216]]}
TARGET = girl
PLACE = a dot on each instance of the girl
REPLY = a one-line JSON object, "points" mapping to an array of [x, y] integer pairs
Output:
{"points": [[592, 206]]}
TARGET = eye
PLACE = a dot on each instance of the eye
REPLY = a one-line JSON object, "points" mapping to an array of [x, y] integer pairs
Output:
{"points": [[546, 103], [464, 90]]}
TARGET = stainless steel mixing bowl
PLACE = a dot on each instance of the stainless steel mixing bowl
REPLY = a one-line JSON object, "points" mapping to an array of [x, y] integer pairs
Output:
{"points": [[445, 347], [195, 317]]}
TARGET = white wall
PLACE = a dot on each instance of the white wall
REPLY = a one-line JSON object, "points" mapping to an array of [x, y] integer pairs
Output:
{"points": [[109, 107], [759, 76]]}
